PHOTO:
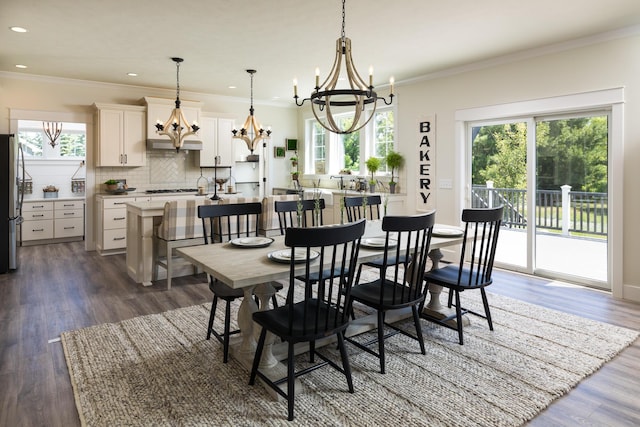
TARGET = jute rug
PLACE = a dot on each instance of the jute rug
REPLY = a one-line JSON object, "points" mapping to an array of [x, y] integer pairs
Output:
{"points": [[159, 370]]}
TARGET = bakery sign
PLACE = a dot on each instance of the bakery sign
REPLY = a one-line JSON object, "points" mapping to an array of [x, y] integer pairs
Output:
{"points": [[425, 141]]}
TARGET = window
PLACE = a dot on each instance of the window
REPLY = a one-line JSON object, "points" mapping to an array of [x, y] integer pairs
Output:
{"points": [[332, 153], [70, 145]]}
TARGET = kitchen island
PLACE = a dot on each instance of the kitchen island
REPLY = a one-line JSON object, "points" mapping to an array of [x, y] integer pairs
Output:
{"points": [[142, 217]]}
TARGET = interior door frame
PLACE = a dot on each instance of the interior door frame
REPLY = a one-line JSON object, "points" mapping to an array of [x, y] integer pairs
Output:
{"points": [[607, 99]]}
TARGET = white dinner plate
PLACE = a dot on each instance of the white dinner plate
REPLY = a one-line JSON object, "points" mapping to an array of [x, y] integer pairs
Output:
{"points": [[252, 242], [377, 242], [285, 255], [447, 232]]}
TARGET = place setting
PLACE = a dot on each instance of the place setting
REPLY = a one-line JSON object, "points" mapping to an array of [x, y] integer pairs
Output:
{"points": [[284, 255], [252, 242]]}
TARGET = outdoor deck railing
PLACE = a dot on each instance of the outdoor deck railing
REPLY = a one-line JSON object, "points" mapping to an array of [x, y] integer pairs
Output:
{"points": [[563, 210]]}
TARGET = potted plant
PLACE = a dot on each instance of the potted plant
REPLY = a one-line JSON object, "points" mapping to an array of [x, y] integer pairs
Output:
{"points": [[294, 175], [394, 161], [373, 164], [111, 184], [294, 161]]}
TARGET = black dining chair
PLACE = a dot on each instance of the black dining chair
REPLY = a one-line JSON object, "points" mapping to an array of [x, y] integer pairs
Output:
{"points": [[367, 207], [481, 228], [400, 282], [309, 318], [287, 211], [222, 223]]}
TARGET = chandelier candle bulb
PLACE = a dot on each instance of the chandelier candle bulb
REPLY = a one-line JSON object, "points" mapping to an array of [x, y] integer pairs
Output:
{"points": [[391, 81], [317, 78], [371, 76], [295, 87]]}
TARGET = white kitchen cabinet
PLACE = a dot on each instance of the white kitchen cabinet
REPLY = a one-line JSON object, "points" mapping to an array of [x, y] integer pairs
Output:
{"points": [[120, 135], [52, 221], [216, 139], [38, 221], [112, 223], [161, 108], [68, 219]]}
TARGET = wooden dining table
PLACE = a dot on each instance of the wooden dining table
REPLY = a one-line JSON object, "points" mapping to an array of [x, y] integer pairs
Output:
{"points": [[251, 269]]}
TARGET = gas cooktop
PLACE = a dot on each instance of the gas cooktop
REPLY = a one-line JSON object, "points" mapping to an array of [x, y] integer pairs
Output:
{"points": [[173, 190]]}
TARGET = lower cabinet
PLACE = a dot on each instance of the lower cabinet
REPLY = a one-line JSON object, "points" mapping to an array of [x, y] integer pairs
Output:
{"points": [[51, 221], [112, 223]]}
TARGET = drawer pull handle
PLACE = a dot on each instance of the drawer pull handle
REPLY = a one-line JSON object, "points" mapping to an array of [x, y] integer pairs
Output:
{"points": [[69, 205], [69, 228], [119, 238], [69, 213], [119, 203], [37, 215], [120, 218], [37, 229], [38, 206]]}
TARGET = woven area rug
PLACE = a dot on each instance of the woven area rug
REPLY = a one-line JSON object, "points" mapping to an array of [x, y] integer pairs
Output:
{"points": [[159, 370]]}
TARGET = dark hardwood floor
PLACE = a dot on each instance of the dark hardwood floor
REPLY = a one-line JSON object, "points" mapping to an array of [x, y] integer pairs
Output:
{"points": [[62, 287]]}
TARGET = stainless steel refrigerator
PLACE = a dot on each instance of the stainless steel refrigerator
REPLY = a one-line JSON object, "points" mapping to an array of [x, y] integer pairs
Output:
{"points": [[11, 197]]}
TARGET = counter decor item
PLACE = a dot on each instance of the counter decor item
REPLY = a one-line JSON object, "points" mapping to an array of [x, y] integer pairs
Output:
{"points": [[78, 183], [50, 192], [112, 184], [373, 164], [394, 161]]}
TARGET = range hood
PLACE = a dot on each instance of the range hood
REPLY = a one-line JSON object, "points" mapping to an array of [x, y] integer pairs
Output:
{"points": [[165, 144]]}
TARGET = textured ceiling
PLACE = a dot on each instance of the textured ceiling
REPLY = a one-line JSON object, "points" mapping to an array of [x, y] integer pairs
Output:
{"points": [[101, 40]]}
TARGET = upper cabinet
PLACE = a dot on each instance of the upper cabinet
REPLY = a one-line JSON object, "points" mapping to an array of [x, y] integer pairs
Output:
{"points": [[120, 135], [160, 109], [215, 134]]}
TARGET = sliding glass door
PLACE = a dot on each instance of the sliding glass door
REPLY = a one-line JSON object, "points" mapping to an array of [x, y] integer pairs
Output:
{"points": [[550, 174]]}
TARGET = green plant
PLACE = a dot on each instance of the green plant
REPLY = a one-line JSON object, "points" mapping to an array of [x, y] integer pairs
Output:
{"points": [[373, 164], [395, 161], [111, 182]]}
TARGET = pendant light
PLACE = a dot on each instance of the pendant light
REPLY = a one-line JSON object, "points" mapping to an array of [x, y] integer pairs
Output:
{"points": [[173, 127]]}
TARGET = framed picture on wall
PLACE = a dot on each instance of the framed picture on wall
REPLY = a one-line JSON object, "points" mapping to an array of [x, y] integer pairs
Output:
{"points": [[278, 152], [292, 145]]}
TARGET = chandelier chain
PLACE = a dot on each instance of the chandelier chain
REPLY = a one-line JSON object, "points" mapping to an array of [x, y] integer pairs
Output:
{"points": [[343, 19], [177, 80]]}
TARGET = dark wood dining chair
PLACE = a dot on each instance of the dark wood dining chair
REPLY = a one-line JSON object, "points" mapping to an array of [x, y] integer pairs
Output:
{"points": [[481, 228], [222, 223], [358, 207], [400, 282], [287, 211], [308, 318]]}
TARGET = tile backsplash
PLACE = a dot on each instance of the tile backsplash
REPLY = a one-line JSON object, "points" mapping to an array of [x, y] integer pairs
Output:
{"points": [[164, 169]]}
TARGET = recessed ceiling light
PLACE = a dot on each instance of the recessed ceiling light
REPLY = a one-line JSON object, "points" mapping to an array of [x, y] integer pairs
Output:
{"points": [[132, 74], [18, 29], [232, 87], [20, 66]]}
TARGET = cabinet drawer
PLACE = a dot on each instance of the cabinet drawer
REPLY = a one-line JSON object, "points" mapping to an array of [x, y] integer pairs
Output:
{"points": [[69, 213], [116, 203], [115, 239], [68, 204], [115, 218], [37, 216], [37, 206], [37, 230], [70, 227]]}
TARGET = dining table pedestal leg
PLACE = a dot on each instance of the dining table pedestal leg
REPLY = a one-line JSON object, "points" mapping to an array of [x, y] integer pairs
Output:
{"points": [[264, 292], [245, 322], [434, 307]]}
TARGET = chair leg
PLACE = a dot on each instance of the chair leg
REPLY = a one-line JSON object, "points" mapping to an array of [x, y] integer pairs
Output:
{"points": [[291, 382], [487, 312], [274, 301], [312, 351], [212, 316], [450, 298], [156, 258], [345, 361], [416, 319], [257, 356], [169, 264], [459, 317], [381, 340], [227, 327]]}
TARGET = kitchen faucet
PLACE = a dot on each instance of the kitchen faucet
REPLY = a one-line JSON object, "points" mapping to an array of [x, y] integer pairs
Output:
{"points": [[341, 185]]}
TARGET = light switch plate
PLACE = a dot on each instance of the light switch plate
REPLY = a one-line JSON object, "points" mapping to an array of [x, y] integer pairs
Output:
{"points": [[445, 184]]}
